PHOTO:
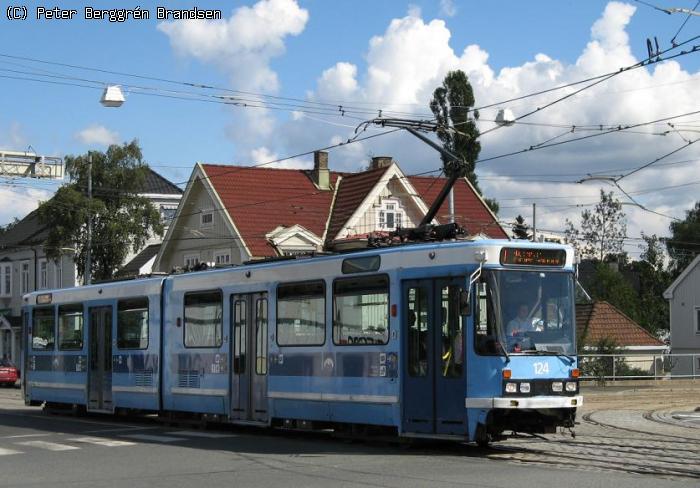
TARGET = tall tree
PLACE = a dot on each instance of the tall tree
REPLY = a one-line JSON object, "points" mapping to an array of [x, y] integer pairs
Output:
{"points": [[608, 284], [684, 243], [653, 280], [122, 220], [521, 229], [601, 232], [452, 105]]}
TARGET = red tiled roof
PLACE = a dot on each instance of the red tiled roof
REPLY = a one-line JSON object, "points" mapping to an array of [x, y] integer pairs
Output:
{"points": [[599, 320], [353, 189], [260, 199], [470, 212]]}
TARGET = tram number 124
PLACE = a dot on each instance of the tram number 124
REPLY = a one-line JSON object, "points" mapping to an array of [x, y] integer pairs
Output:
{"points": [[541, 368]]}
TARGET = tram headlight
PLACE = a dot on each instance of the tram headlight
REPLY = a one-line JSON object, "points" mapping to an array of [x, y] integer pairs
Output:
{"points": [[570, 386], [524, 387], [511, 387], [557, 386]]}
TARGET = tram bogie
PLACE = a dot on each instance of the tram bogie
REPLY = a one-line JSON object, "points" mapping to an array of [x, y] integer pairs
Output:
{"points": [[469, 340]]}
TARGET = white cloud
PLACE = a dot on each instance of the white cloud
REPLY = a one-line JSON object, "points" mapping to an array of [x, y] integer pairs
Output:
{"points": [[243, 44], [242, 47], [97, 135], [448, 8], [17, 203], [262, 156], [406, 62]]}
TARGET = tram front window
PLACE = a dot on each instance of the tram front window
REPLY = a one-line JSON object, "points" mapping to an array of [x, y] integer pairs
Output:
{"points": [[528, 312]]}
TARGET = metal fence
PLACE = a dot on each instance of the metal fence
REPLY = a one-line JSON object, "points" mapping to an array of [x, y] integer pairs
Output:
{"points": [[603, 367]]}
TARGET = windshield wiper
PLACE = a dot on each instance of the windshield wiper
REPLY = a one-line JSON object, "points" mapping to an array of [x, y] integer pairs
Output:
{"points": [[558, 354]]}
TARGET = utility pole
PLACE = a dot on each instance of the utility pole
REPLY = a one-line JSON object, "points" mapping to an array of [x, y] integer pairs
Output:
{"points": [[88, 256], [534, 222]]}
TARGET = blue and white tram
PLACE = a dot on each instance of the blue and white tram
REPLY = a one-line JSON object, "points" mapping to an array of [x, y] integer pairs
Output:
{"points": [[467, 340]]}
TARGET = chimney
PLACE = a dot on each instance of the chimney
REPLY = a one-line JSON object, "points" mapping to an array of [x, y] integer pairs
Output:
{"points": [[380, 162], [320, 175]]}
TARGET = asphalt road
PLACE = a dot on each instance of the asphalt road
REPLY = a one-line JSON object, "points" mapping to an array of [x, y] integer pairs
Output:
{"points": [[37, 449]]}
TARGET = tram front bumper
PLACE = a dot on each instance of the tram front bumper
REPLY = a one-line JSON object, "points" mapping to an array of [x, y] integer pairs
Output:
{"points": [[525, 403]]}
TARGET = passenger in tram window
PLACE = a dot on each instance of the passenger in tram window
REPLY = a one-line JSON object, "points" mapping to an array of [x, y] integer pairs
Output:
{"points": [[521, 323]]}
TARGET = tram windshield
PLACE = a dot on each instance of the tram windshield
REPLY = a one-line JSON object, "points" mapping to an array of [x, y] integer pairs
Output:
{"points": [[525, 312]]}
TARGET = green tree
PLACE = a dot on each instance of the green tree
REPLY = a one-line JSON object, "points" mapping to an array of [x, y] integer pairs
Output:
{"points": [[608, 284], [122, 220], [654, 278], [684, 243], [521, 229], [452, 105], [601, 232]]}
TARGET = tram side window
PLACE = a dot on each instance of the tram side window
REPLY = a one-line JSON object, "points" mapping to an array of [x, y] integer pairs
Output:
{"points": [[203, 319], [70, 327], [301, 314], [43, 330], [132, 323], [361, 310], [486, 334]]}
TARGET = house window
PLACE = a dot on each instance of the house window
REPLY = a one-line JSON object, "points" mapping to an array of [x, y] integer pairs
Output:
{"points": [[222, 257], [191, 260], [390, 215], [6, 280], [167, 214], [206, 219], [697, 320], [43, 274], [58, 273], [24, 277]]}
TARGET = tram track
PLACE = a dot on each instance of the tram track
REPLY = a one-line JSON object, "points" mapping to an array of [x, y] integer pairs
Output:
{"points": [[645, 452]]}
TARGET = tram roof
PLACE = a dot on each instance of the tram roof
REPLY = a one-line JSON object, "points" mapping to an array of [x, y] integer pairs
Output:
{"points": [[146, 286]]}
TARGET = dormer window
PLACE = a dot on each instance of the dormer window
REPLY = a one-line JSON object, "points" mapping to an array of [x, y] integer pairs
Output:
{"points": [[390, 215]]}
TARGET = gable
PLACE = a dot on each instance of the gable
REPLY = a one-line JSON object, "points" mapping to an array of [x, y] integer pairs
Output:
{"points": [[691, 269], [187, 232], [370, 199], [294, 240]]}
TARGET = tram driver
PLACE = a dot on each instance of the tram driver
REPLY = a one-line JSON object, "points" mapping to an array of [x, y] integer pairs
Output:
{"points": [[522, 322]]}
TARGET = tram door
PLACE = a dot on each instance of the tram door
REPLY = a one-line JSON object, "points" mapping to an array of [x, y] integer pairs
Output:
{"points": [[434, 375], [249, 336], [100, 359]]}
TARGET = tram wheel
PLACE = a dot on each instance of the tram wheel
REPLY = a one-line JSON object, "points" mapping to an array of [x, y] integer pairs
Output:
{"points": [[482, 437]]}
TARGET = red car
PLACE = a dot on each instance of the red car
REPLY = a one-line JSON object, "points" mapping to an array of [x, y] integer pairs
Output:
{"points": [[9, 373]]}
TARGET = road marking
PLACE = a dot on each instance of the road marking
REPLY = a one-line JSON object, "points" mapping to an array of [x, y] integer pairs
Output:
{"points": [[208, 435], [154, 438], [24, 435], [8, 452], [122, 429], [99, 441], [49, 446]]}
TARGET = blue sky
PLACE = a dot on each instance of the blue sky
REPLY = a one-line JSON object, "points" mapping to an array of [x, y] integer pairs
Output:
{"points": [[174, 133]]}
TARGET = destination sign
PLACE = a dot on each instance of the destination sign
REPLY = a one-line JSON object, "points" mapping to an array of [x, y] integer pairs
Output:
{"points": [[532, 257]]}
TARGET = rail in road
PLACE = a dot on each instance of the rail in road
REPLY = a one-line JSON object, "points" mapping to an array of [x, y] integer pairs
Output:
{"points": [[633, 429]]}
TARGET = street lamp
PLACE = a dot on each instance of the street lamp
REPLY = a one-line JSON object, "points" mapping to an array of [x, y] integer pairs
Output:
{"points": [[112, 96]]}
